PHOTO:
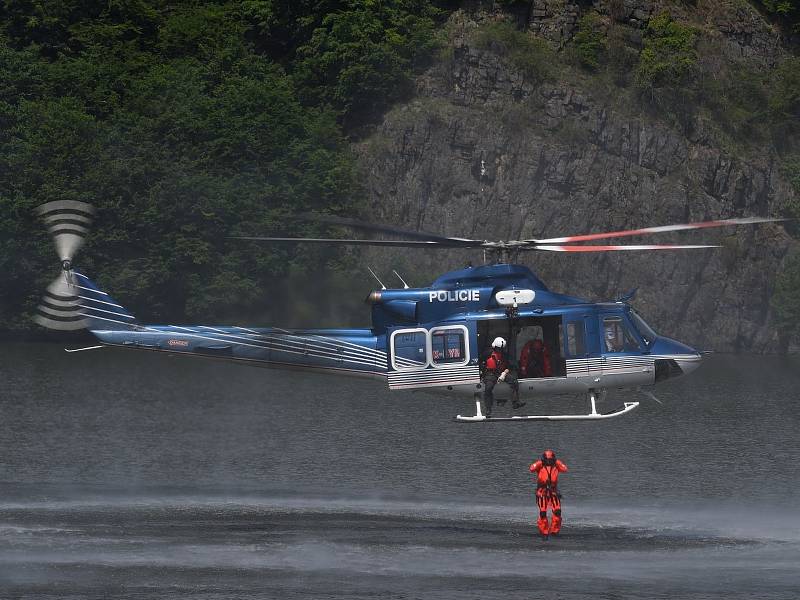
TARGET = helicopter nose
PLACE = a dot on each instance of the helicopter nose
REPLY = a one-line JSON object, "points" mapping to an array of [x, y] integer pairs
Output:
{"points": [[689, 362], [674, 358]]}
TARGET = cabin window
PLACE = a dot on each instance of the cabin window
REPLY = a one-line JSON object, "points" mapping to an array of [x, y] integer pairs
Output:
{"points": [[409, 349], [617, 337], [576, 340], [449, 346]]}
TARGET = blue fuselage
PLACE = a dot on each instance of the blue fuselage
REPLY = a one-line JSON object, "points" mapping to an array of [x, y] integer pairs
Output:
{"points": [[433, 337]]}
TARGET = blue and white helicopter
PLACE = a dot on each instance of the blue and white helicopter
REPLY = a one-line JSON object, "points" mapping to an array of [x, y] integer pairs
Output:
{"points": [[421, 338]]}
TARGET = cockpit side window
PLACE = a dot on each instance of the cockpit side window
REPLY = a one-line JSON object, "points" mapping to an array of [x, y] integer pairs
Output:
{"points": [[647, 333], [617, 337]]}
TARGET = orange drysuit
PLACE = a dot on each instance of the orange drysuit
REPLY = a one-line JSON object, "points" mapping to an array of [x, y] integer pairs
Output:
{"points": [[547, 496], [535, 360]]}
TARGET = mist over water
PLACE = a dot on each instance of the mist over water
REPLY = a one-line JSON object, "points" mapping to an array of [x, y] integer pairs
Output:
{"points": [[136, 475]]}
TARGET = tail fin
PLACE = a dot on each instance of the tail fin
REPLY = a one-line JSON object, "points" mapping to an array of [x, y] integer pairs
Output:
{"points": [[101, 311]]}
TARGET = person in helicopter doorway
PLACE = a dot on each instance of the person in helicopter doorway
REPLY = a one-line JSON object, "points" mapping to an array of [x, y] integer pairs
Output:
{"points": [[547, 496], [497, 369], [535, 360]]}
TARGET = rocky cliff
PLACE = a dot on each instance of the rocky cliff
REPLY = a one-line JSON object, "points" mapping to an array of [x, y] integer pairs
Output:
{"points": [[484, 150]]}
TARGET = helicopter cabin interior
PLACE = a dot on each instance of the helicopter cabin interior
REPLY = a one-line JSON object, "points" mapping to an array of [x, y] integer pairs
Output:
{"points": [[547, 329]]}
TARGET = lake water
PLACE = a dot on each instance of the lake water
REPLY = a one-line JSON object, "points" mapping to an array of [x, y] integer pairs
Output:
{"points": [[134, 475]]}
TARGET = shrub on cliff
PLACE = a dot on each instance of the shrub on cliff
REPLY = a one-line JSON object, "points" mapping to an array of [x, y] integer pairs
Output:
{"points": [[669, 55], [589, 43], [666, 69], [526, 52]]}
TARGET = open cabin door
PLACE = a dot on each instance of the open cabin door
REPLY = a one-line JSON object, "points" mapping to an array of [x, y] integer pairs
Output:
{"points": [[435, 357]]}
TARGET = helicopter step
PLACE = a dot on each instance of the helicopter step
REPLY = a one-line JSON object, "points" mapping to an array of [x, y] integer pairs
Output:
{"points": [[591, 415]]}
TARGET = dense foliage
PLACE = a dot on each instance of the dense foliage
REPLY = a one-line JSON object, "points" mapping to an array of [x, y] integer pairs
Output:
{"points": [[186, 123], [359, 58]]}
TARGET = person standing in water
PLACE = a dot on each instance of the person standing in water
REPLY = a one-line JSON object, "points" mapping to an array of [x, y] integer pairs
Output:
{"points": [[547, 496]]}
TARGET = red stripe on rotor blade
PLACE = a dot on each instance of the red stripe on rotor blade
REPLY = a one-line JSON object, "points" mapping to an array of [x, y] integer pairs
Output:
{"points": [[551, 248], [660, 229]]}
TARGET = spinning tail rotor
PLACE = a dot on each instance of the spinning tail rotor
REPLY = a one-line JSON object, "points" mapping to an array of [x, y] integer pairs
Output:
{"points": [[68, 222]]}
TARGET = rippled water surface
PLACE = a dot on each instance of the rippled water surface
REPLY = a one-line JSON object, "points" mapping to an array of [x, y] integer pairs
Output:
{"points": [[134, 475]]}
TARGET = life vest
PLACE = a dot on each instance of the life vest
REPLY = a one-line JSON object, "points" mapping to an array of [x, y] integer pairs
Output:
{"points": [[547, 475], [496, 363]]}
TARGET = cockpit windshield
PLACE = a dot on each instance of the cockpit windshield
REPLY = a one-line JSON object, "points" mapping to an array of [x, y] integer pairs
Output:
{"points": [[645, 330]]}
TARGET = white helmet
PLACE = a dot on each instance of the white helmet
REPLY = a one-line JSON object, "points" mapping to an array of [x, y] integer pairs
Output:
{"points": [[499, 343]]}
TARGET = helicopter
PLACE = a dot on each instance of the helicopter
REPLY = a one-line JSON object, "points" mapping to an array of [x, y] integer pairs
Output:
{"points": [[428, 338]]}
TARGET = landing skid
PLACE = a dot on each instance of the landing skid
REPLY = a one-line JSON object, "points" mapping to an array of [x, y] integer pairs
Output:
{"points": [[590, 416]]}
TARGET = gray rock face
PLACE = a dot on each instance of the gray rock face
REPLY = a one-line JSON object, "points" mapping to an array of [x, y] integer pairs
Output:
{"points": [[745, 35], [480, 152], [555, 20]]}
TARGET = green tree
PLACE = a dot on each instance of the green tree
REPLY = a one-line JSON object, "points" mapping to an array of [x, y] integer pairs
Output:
{"points": [[361, 58], [182, 135]]}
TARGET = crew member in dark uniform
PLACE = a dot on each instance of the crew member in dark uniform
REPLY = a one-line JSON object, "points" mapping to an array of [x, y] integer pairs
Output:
{"points": [[496, 369], [547, 496]]}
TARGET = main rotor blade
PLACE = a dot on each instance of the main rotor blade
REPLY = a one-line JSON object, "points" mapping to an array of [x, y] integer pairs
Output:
{"points": [[351, 242], [615, 248], [661, 229], [407, 233]]}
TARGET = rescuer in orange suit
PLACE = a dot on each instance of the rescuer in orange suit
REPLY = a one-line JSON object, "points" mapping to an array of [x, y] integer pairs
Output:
{"points": [[535, 360], [547, 496]]}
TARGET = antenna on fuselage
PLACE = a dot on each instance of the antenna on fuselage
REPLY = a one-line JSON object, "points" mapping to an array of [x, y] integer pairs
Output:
{"points": [[383, 287], [405, 285]]}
